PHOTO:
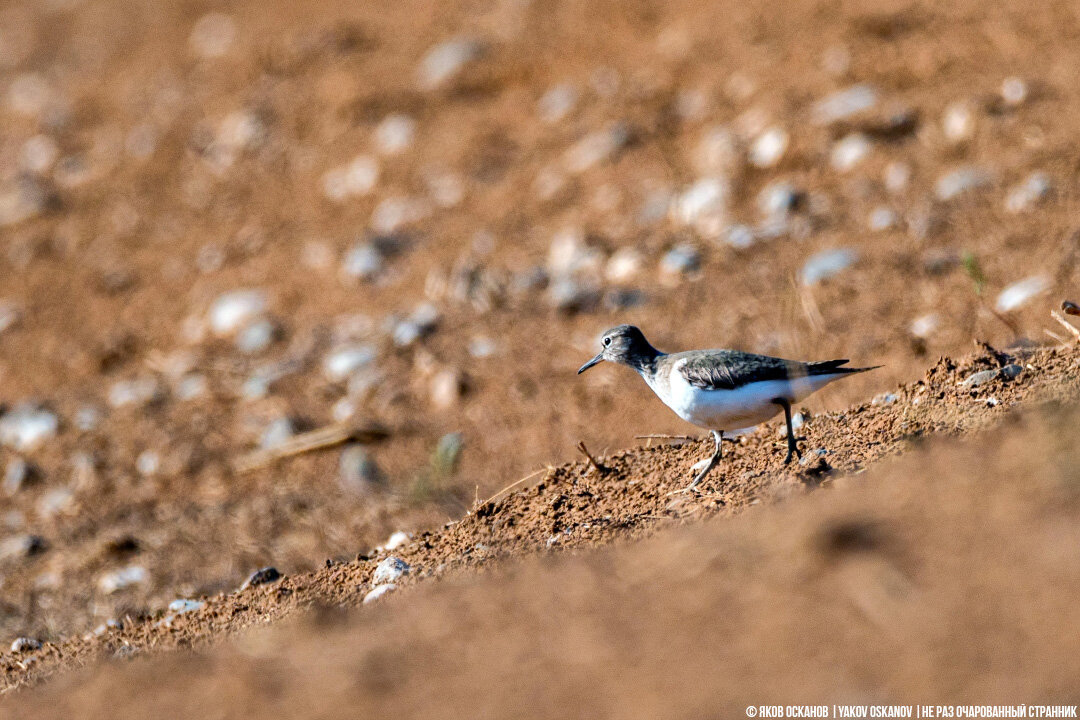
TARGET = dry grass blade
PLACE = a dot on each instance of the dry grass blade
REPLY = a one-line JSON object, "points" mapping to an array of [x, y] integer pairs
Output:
{"points": [[689, 438], [1066, 324], [592, 461], [324, 437], [513, 485]]}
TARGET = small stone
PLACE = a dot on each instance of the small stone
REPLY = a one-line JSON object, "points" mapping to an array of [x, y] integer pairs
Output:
{"points": [[482, 347], [191, 387], [769, 147], [777, 199], [704, 207], [10, 315], [396, 540], [882, 218], [421, 323], [394, 213], [356, 178], [1011, 371], [568, 295], [17, 473], [447, 387], [232, 311], [884, 399], [826, 264], [38, 154], [849, 152], [29, 94], [122, 579], [137, 392], [680, 260], [395, 134], [595, 148], [447, 189], [1033, 190], [958, 123], [740, 237], [718, 153], [346, 360], [21, 546], [262, 576], [277, 432], [1021, 292], [924, 326], [897, 176], [960, 181], [257, 337], [623, 298], [212, 35], [444, 62], [568, 254], [179, 607], [1014, 91], [362, 262], [980, 378], [557, 103], [357, 472], [148, 463], [378, 591], [27, 426], [844, 104], [55, 502], [390, 570], [624, 265], [25, 644]]}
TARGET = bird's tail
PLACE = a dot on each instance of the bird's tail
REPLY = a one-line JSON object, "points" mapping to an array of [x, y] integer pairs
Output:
{"points": [[833, 367]]}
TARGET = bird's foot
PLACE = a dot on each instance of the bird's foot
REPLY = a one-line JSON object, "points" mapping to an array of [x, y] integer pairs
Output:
{"points": [[793, 451]]}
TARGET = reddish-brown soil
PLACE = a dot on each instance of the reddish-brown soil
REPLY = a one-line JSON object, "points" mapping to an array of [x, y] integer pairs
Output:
{"points": [[946, 576], [170, 178], [631, 495]]}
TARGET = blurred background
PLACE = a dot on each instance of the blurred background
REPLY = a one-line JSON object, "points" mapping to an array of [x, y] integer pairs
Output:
{"points": [[224, 225]]}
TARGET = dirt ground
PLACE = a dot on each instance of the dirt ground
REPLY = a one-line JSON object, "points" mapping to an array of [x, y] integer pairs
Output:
{"points": [[456, 198], [944, 576]]}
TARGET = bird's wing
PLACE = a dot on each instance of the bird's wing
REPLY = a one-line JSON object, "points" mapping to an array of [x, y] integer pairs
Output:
{"points": [[730, 369]]}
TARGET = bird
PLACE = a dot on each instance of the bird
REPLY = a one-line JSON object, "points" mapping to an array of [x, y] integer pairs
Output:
{"points": [[721, 390]]}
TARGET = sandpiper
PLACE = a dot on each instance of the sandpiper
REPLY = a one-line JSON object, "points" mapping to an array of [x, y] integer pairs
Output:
{"points": [[721, 390]]}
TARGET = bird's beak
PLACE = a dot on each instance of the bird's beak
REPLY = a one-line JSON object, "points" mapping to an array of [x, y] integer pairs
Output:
{"points": [[589, 364]]}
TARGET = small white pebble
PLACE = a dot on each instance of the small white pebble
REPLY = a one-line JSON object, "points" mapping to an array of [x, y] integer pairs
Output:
{"points": [[212, 35], [1021, 292], [769, 147], [958, 122], [395, 134], [390, 570], [1014, 91], [378, 591]]}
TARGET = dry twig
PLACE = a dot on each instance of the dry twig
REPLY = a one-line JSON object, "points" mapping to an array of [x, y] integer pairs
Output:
{"points": [[1066, 324], [592, 461], [324, 437]]}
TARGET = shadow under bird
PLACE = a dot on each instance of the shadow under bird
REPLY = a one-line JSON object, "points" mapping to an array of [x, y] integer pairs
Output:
{"points": [[721, 390]]}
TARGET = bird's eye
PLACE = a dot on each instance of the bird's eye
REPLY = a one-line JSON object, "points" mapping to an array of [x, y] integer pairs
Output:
{"points": [[607, 341]]}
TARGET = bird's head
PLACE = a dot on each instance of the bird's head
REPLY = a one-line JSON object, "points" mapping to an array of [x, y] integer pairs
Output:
{"points": [[624, 344]]}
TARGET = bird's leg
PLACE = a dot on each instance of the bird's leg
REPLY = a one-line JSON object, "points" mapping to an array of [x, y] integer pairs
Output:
{"points": [[792, 443], [718, 438]]}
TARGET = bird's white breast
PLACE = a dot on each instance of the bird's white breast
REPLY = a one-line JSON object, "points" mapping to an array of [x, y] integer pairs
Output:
{"points": [[742, 407]]}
